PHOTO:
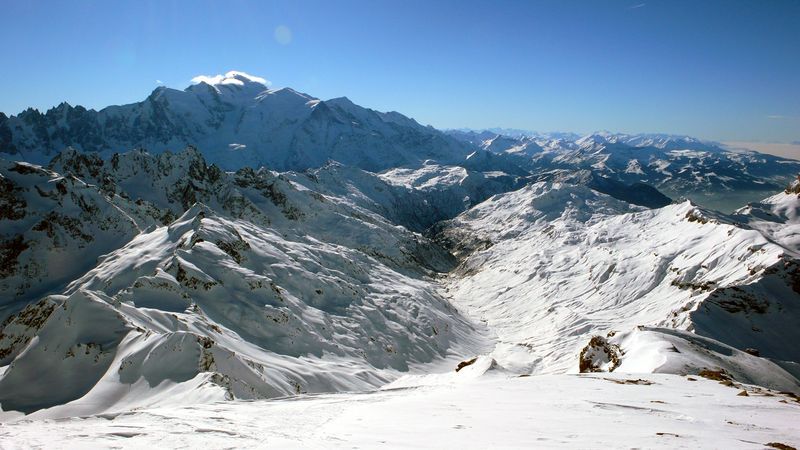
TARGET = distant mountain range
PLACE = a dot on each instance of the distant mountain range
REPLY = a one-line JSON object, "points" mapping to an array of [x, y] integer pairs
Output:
{"points": [[236, 121], [678, 166], [268, 244]]}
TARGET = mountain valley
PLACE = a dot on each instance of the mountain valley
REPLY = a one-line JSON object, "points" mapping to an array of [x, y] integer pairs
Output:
{"points": [[232, 249]]}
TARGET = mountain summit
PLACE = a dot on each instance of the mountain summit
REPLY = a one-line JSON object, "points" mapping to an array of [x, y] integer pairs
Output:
{"points": [[236, 121]]}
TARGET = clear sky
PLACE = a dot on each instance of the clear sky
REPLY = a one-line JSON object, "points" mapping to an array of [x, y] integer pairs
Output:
{"points": [[722, 70]]}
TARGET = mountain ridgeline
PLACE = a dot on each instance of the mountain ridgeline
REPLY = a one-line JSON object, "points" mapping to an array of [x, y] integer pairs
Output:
{"points": [[237, 121], [229, 241], [678, 166]]}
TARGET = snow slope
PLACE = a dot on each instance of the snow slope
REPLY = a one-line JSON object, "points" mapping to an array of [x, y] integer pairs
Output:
{"points": [[260, 287], [610, 411], [777, 216], [415, 198], [52, 230], [551, 265], [215, 286]]}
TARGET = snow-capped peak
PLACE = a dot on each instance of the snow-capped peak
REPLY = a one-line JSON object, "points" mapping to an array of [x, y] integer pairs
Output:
{"points": [[232, 77]]}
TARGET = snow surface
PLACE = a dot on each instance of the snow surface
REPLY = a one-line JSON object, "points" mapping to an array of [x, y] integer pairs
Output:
{"points": [[550, 264], [200, 289], [263, 290], [609, 410], [777, 216]]}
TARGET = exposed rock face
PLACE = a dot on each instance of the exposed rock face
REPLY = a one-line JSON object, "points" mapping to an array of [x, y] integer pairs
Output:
{"points": [[53, 227], [599, 356]]}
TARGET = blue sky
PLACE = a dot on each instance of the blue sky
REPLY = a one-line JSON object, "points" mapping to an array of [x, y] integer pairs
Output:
{"points": [[723, 70]]}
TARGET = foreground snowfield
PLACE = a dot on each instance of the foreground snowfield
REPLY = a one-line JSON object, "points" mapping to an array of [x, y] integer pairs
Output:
{"points": [[492, 411]]}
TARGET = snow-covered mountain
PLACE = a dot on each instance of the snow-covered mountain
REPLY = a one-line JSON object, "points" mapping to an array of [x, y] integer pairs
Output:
{"points": [[675, 289], [213, 285], [299, 246], [777, 216], [237, 121], [185, 283], [636, 193], [53, 230], [678, 166]]}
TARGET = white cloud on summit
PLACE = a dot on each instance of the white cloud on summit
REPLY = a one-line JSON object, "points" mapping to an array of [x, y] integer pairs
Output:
{"points": [[232, 77]]}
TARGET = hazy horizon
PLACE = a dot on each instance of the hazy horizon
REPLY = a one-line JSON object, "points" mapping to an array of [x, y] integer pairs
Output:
{"points": [[785, 150]]}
